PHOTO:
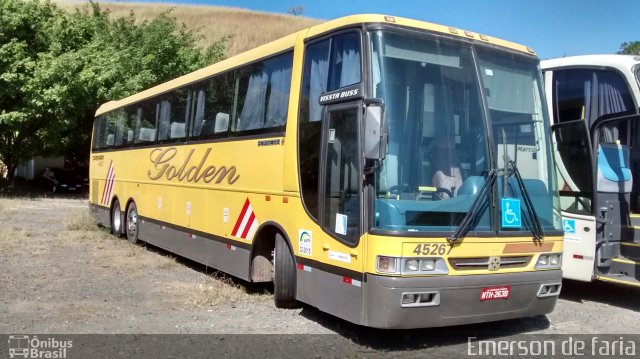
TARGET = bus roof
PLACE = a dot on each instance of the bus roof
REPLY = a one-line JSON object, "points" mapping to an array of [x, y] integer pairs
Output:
{"points": [[610, 60], [288, 42]]}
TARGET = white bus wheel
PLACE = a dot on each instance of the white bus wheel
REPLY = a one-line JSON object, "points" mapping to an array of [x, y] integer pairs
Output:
{"points": [[116, 219], [132, 223]]}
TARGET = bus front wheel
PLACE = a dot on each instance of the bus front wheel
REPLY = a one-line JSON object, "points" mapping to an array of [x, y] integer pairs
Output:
{"points": [[116, 219], [132, 223], [284, 281]]}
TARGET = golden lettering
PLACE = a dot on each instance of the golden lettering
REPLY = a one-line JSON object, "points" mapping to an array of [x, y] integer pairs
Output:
{"points": [[161, 160]]}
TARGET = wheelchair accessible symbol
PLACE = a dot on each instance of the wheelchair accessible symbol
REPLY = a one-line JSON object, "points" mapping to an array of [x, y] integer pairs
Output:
{"points": [[511, 215], [569, 226]]}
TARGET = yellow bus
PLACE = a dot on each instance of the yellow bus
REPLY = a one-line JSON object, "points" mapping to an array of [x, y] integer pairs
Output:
{"points": [[390, 172]]}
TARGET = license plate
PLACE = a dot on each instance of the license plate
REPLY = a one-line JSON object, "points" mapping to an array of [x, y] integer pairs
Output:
{"points": [[72, 188], [494, 293]]}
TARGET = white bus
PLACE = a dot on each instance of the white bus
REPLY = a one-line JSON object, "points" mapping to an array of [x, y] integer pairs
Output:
{"points": [[593, 105]]}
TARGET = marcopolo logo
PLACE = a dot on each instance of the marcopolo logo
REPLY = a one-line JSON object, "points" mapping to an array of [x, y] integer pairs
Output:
{"points": [[24, 346]]}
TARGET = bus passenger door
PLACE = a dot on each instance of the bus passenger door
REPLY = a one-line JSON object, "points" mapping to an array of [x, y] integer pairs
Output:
{"points": [[340, 211], [574, 170], [341, 173], [578, 258]]}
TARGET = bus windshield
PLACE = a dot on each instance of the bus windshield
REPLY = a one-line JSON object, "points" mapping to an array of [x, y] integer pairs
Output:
{"points": [[442, 132]]}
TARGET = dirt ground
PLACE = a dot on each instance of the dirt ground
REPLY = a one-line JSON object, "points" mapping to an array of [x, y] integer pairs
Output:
{"points": [[61, 274]]}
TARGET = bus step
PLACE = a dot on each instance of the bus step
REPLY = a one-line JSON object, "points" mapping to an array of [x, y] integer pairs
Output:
{"points": [[630, 250], [618, 279], [622, 267], [635, 220]]}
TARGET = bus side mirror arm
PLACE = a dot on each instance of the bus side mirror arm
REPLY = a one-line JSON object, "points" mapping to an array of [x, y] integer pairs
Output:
{"points": [[375, 132]]}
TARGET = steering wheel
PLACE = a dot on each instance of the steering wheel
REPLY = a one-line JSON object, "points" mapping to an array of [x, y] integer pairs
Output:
{"points": [[395, 190], [444, 190]]}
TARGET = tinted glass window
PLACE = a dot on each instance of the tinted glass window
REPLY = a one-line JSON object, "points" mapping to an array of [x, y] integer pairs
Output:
{"points": [[212, 105], [343, 52], [99, 132], [345, 61], [132, 128], [589, 94], [342, 185], [110, 131], [262, 99], [146, 126], [172, 116], [119, 117]]}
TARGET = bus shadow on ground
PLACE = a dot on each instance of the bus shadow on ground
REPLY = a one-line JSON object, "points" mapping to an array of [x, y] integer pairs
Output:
{"points": [[617, 295], [383, 339], [249, 287], [416, 339]]}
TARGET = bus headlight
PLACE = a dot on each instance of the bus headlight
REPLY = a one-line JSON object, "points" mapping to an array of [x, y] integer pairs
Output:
{"points": [[411, 265], [428, 265], [387, 264], [549, 261]]}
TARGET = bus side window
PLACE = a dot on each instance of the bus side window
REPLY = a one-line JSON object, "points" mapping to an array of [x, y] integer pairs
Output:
{"points": [[212, 104], [146, 126], [589, 94], [110, 131], [121, 127], [99, 133], [314, 82], [263, 95], [132, 124]]}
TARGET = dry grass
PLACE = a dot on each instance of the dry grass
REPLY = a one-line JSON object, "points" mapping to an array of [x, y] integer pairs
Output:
{"points": [[214, 291], [8, 203], [82, 221], [245, 29], [12, 239]]}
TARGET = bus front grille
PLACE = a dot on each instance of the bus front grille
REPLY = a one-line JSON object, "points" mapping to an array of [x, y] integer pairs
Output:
{"points": [[483, 262]]}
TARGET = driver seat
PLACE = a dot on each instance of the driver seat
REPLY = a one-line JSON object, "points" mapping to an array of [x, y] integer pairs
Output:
{"points": [[447, 174]]}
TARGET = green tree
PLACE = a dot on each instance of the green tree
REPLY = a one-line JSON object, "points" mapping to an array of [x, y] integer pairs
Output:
{"points": [[630, 48], [56, 68]]}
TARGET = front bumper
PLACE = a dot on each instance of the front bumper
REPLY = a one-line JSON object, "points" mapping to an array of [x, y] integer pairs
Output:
{"points": [[458, 299]]}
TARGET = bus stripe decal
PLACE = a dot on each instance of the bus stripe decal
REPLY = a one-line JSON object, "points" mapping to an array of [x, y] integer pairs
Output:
{"points": [[252, 219], [108, 185], [111, 181], [239, 221], [246, 224]]}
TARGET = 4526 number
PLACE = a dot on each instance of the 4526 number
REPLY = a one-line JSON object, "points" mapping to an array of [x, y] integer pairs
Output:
{"points": [[432, 249]]}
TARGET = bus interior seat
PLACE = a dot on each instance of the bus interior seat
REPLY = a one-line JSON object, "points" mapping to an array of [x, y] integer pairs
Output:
{"points": [[129, 136], [147, 134], [471, 186], [177, 130], [222, 122], [207, 128], [614, 173], [110, 140]]}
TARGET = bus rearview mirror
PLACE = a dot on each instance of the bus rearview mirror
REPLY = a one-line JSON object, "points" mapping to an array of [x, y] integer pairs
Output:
{"points": [[375, 133]]}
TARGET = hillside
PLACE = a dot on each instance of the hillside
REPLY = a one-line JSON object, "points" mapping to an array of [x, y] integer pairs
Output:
{"points": [[246, 29]]}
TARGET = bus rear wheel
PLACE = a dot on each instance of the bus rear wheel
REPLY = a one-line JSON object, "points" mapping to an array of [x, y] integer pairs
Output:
{"points": [[116, 219], [284, 280], [132, 223]]}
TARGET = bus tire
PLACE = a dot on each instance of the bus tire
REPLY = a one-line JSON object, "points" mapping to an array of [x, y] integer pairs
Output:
{"points": [[284, 280], [131, 223], [116, 219]]}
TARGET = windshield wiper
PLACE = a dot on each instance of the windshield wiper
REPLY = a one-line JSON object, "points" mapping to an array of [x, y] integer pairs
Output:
{"points": [[467, 220], [536, 228]]}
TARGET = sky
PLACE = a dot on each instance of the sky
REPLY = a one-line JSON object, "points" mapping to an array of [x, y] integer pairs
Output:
{"points": [[553, 28]]}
